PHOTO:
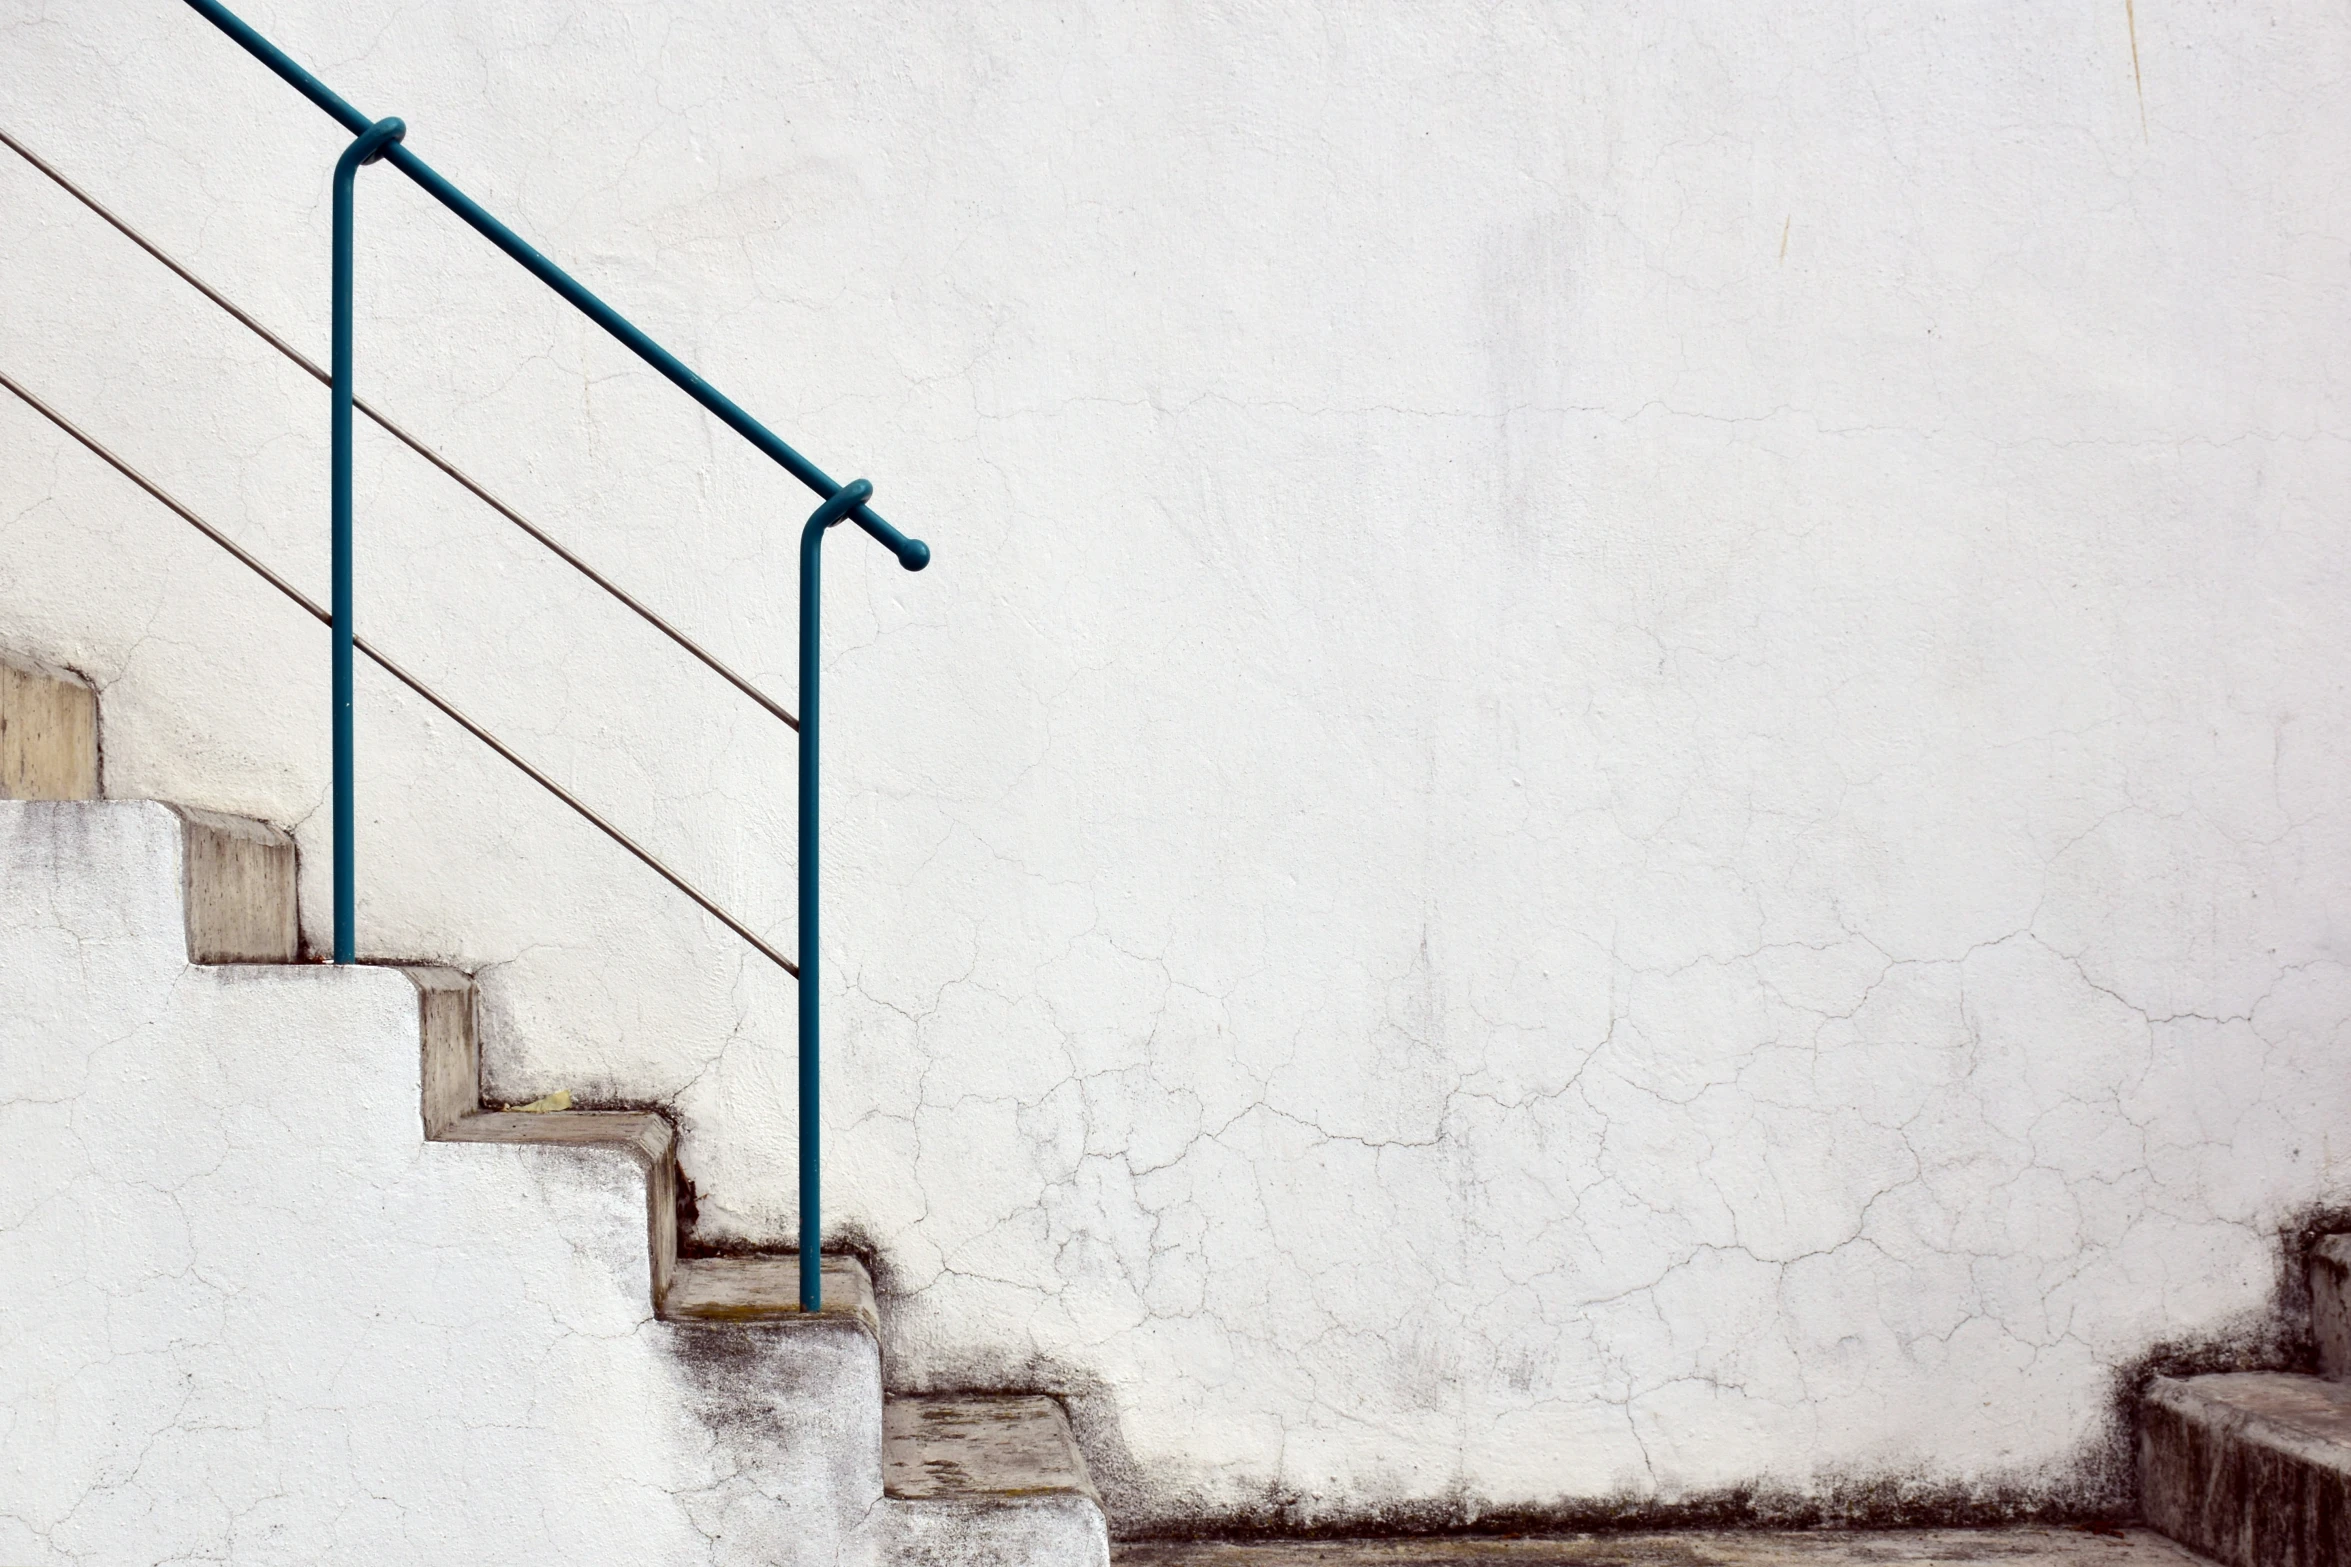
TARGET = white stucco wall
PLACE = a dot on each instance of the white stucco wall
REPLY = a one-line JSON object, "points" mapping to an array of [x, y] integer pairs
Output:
{"points": [[1621, 771]]}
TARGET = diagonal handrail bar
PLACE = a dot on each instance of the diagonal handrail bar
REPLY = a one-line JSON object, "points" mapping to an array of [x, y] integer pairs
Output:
{"points": [[447, 709], [383, 422], [913, 554]]}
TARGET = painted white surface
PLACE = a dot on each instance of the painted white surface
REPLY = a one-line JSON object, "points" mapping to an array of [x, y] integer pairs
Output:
{"points": [[1621, 770], [247, 1314]]}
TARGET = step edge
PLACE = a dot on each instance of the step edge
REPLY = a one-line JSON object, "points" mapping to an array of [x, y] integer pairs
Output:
{"points": [[450, 1105], [2192, 1399]]}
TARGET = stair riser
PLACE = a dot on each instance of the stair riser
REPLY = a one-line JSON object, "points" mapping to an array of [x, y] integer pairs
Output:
{"points": [[452, 1064], [240, 891], [48, 735], [1058, 1531]]}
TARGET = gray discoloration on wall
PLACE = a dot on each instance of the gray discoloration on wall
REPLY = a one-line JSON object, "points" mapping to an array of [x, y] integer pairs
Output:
{"points": [[2094, 1490], [793, 1417]]}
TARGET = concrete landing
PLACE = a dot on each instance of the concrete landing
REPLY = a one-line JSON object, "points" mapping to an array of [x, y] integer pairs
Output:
{"points": [[2034, 1547]]}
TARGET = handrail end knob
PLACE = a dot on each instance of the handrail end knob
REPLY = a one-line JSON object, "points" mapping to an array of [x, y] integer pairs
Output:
{"points": [[914, 555]]}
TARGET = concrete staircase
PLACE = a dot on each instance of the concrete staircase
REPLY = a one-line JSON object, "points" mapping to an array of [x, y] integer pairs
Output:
{"points": [[2254, 1467], [527, 1365]]}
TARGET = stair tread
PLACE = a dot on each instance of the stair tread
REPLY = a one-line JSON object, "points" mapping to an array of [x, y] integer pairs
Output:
{"points": [[2311, 1415], [980, 1447], [642, 1131], [767, 1289]]}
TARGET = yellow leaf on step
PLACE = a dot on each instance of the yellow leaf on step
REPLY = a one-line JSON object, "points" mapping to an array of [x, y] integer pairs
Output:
{"points": [[558, 1100]]}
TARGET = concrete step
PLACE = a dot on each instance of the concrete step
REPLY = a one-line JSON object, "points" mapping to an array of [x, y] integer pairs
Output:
{"points": [[238, 874], [766, 1290], [793, 1398], [2029, 1545], [2330, 1304], [987, 1479], [762, 1290], [240, 890], [961, 1446], [2252, 1468]]}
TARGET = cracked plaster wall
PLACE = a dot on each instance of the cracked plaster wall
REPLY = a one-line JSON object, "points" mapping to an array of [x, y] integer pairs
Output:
{"points": [[1621, 772]]}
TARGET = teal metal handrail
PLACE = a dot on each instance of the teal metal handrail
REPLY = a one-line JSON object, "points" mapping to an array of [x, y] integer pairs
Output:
{"points": [[913, 554], [382, 139]]}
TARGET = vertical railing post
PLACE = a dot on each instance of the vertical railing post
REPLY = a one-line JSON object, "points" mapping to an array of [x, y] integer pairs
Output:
{"points": [[366, 149], [851, 496]]}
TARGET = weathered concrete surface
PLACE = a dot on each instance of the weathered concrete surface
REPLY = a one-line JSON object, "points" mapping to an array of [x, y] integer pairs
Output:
{"points": [[2025, 1547], [2253, 1468], [48, 733], [767, 1289], [734, 1289], [2330, 1304], [646, 1138], [1623, 773], [992, 1480], [240, 890], [449, 1047], [945, 1445], [249, 1313]]}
